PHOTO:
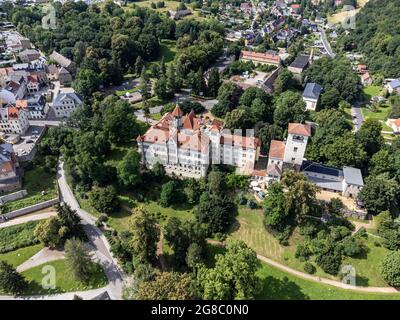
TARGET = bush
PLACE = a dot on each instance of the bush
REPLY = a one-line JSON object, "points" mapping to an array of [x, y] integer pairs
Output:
{"points": [[329, 262], [309, 268], [303, 251], [390, 268], [351, 247], [251, 204], [104, 200]]}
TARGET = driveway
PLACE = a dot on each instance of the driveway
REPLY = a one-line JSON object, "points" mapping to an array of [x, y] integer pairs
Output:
{"points": [[357, 113]]}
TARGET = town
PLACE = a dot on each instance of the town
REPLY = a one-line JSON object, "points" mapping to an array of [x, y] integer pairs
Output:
{"points": [[150, 150]]}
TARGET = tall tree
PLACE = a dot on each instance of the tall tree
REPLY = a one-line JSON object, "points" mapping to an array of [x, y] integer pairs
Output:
{"points": [[11, 281], [78, 260]]}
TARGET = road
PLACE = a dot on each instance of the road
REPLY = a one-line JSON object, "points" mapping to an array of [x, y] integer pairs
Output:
{"points": [[99, 242], [358, 116], [326, 44]]}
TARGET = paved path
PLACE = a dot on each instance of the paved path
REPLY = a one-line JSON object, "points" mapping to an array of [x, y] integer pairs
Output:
{"points": [[115, 275], [25, 219], [307, 276], [326, 43], [357, 113], [43, 256]]}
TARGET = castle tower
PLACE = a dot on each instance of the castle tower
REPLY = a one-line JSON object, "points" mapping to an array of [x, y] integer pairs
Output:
{"points": [[177, 113], [296, 143]]}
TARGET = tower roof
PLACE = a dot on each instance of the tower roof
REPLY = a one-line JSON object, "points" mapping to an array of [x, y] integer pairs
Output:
{"points": [[300, 129], [177, 111]]}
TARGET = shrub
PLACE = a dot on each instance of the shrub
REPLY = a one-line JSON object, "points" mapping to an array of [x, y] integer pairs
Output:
{"points": [[104, 200], [390, 268], [251, 204], [351, 247], [329, 262], [303, 251], [309, 268]]}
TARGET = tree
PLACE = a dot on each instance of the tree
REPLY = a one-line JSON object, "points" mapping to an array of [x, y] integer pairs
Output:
{"points": [[145, 85], [194, 255], [69, 220], [192, 191], [128, 170], [329, 262], [169, 194], [11, 281], [390, 268], [78, 260], [345, 151], [285, 81], [167, 286], [268, 133], [379, 193], [234, 275], [119, 122], [216, 181], [139, 64], [104, 200], [48, 232], [214, 82], [370, 136], [217, 211], [228, 99], [239, 119], [274, 207], [145, 235], [173, 83], [290, 107], [87, 82], [160, 88], [197, 82]]}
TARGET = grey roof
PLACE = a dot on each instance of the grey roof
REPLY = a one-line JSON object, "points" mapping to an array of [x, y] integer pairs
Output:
{"points": [[353, 176], [300, 62], [63, 71], [326, 183], [394, 84], [312, 91], [65, 95], [6, 150], [309, 166], [60, 59]]}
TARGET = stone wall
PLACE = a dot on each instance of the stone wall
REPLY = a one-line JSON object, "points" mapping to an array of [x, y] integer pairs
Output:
{"points": [[13, 196], [32, 208]]}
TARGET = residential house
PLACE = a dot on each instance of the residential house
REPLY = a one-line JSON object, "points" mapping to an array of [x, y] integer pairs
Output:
{"points": [[64, 77], [311, 95], [394, 124], [52, 72], [13, 120], [299, 65], [10, 178], [63, 62], [366, 79], [179, 14], [65, 103], [36, 106], [394, 86], [33, 84], [28, 55], [17, 86]]}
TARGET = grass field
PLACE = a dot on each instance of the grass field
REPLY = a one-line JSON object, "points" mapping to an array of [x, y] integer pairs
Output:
{"points": [[278, 285], [19, 256], [340, 16], [35, 181], [19, 236], [65, 281], [372, 91], [380, 114], [250, 229]]}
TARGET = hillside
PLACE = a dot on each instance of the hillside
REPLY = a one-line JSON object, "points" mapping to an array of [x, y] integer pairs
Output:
{"points": [[378, 37]]}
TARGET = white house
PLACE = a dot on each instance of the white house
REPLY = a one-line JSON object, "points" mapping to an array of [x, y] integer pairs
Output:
{"points": [[13, 120], [394, 86], [65, 103], [311, 95]]}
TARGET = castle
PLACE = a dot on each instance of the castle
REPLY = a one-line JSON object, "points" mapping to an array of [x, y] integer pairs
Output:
{"points": [[186, 145]]}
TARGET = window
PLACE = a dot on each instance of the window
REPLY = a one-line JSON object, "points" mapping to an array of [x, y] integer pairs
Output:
{"points": [[295, 149]]}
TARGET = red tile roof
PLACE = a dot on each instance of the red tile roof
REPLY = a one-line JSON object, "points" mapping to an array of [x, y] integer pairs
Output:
{"points": [[177, 112], [261, 57], [277, 149], [300, 129]]}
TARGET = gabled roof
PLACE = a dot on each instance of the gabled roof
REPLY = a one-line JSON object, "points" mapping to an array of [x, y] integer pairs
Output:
{"points": [[60, 59], [260, 57], [274, 170], [312, 91], [353, 176], [177, 112], [277, 149], [300, 62], [300, 129], [67, 95], [394, 84]]}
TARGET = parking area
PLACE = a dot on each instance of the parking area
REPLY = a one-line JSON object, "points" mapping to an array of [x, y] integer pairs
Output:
{"points": [[25, 148]]}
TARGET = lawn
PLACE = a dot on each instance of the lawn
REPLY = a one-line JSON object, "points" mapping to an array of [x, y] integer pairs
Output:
{"points": [[19, 236], [35, 180], [381, 113], [168, 51], [279, 285], [122, 92], [65, 281], [371, 91], [19, 256], [250, 229]]}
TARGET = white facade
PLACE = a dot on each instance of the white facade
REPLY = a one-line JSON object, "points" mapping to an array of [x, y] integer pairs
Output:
{"points": [[295, 149], [187, 145], [13, 120], [64, 104]]}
